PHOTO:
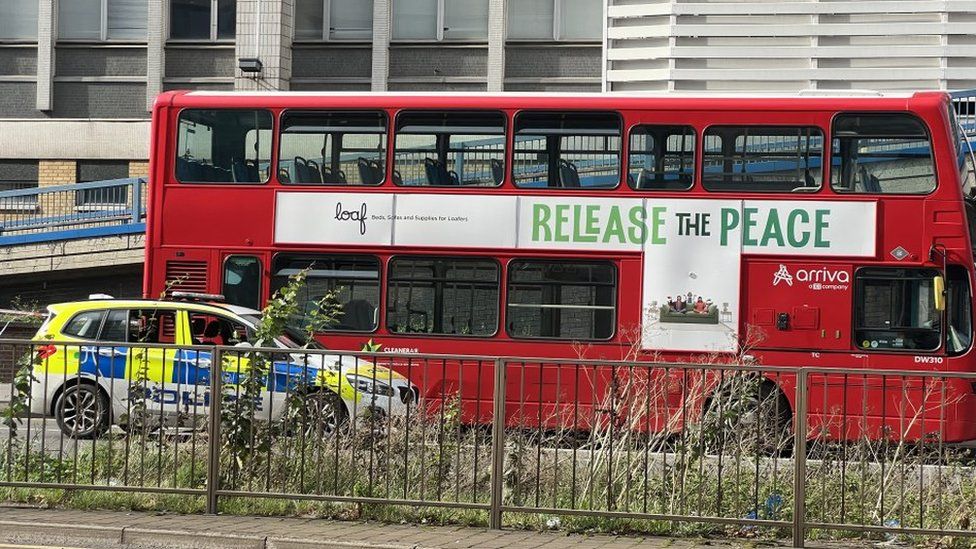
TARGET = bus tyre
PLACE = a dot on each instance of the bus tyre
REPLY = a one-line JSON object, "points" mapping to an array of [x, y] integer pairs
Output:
{"points": [[751, 416], [82, 411], [323, 414]]}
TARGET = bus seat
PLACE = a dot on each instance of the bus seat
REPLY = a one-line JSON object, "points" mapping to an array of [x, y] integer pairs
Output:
{"points": [[497, 170], [568, 174], [302, 172], [333, 178], [365, 171], [438, 175], [316, 172], [871, 183], [357, 314]]}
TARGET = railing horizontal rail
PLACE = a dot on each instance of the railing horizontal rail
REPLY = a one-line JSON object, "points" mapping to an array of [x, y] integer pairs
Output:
{"points": [[73, 187]]}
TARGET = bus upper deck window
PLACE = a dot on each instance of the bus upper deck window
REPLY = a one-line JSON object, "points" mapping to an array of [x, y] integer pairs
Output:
{"points": [[661, 158], [762, 158], [332, 148], [567, 150], [881, 153], [223, 146], [450, 149]]}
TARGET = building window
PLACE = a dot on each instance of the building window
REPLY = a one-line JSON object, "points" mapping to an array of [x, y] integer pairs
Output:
{"points": [[555, 20], [102, 20], [202, 19], [17, 175], [440, 19], [561, 299], [333, 19], [18, 19], [112, 197]]}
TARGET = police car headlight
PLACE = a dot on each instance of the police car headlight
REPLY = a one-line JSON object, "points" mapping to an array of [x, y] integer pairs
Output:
{"points": [[370, 386]]}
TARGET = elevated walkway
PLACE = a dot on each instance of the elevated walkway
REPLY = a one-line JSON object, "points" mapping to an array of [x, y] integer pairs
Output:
{"points": [[72, 231]]}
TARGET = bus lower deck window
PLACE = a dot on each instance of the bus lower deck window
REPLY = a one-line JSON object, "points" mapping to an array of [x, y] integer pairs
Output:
{"points": [[895, 310], [354, 280], [573, 300], [442, 296]]}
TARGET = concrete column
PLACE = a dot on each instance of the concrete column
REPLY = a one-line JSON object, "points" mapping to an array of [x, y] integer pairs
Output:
{"points": [[382, 29], [47, 31], [264, 30], [158, 30], [497, 22]]}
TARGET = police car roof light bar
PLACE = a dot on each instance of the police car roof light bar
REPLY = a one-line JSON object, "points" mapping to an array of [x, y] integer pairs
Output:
{"points": [[197, 296]]}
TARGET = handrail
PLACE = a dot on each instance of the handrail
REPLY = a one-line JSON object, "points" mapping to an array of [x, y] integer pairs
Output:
{"points": [[73, 211]]}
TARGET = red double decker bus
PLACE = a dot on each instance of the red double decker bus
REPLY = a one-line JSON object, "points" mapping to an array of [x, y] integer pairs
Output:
{"points": [[802, 231]]}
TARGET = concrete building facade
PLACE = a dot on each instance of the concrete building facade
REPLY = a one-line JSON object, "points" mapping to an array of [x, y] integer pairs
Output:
{"points": [[790, 45], [77, 77]]}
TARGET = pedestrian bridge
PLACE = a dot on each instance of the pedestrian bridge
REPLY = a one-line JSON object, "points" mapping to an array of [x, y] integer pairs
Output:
{"points": [[78, 226]]}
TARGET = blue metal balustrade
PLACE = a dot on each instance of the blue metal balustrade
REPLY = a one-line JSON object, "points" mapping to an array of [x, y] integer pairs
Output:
{"points": [[80, 210]]}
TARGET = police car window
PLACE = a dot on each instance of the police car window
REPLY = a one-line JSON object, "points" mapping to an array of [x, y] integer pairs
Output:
{"points": [[216, 330], [152, 326], [116, 326], [84, 325]]}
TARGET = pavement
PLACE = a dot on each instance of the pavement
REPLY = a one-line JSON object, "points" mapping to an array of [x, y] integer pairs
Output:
{"points": [[28, 526]]}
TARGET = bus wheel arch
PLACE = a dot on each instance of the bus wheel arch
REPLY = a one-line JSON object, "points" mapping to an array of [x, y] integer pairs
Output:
{"points": [[754, 409]]}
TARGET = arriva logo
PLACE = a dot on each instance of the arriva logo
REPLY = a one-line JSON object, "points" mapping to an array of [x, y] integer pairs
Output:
{"points": [[817, 279], [782, 275]]}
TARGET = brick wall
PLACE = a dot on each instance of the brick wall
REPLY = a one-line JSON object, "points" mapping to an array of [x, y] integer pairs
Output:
{"points": [[9, 353], [51, 173], [139, 168]]}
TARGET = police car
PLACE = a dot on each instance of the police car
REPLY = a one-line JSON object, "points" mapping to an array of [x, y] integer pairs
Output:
{"points": [[107, 357]]}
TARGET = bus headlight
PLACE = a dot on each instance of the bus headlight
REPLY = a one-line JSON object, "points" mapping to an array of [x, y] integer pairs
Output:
{"points": [[370, 386]]}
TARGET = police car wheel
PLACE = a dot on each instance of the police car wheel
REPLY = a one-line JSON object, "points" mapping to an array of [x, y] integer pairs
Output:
{"points": [[324, 413], [82, 411]]}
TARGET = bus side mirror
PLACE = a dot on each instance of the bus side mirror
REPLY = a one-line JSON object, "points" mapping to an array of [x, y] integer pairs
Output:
{"points": [[938, 290]]}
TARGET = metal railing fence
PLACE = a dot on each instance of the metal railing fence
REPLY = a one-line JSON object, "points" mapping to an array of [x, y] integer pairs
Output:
{"points": [[100, 208], [796, 452]]}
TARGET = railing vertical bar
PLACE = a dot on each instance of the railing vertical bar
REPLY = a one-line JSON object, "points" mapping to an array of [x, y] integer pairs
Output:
{"points": [[800, 460], [497, 446], [213, 452]]}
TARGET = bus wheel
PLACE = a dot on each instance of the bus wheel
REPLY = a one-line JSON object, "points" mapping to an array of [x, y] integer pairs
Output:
{"points": [[750, 416], [82, 411], [323, 414]]}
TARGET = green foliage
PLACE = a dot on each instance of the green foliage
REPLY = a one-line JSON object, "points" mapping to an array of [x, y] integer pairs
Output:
{"points": [[245, 439], [20, 398]]}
